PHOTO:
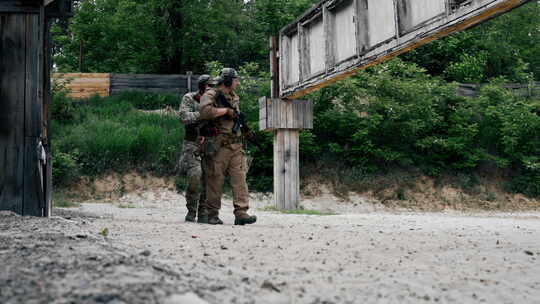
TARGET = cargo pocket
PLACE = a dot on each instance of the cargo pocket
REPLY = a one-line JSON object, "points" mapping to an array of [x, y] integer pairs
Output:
{"points": [[211, 146], [246, 161]]}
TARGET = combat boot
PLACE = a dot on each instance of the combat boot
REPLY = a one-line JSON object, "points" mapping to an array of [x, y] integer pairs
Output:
{"points": [[190, 216], [245, 219], [202, 219], [214, 220]]}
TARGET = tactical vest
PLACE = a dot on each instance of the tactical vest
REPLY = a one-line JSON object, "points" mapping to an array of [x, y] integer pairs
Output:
{"points": [[192, 132]]}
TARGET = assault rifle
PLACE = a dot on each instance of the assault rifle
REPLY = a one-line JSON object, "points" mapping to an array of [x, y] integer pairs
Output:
{"points": [[239, 121]]}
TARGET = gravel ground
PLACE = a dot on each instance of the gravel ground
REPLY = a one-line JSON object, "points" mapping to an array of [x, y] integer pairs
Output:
{"points": [[151, 256]]}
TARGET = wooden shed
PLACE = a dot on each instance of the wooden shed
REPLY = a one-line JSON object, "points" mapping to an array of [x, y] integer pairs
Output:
{"points": [[25, 64]]}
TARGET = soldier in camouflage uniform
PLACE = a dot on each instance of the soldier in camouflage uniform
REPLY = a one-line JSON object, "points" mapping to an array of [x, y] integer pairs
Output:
{"points": [[224, 152], [191, 160]]}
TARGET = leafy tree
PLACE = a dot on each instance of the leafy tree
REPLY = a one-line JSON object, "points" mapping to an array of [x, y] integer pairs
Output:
{"points": [[169, 36], [505, 46]]}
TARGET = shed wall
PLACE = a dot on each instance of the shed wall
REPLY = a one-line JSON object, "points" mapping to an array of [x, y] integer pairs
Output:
{"points": [[21, 101]]}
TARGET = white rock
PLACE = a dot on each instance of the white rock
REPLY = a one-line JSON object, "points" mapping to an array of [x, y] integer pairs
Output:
{"points": [[187, 298]]}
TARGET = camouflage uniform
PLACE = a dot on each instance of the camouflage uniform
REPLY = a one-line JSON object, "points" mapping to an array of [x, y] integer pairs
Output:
{"points": [[190, 162], [225, 154]]}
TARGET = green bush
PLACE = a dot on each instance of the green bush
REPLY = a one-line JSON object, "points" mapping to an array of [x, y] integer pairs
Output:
{"points": [[528, 183], [395, 115], [65, 168], [63, 109], [111, 134]]}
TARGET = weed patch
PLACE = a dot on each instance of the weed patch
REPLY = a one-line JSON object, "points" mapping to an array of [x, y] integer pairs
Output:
{"points": [[60, 200]]}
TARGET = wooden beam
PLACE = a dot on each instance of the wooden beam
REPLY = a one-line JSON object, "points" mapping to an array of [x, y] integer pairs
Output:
{"points": [[291, 114]]}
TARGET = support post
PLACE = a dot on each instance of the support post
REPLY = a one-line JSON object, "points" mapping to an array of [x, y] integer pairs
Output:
{"points": [[285, 118], [189, 73], [286, 169], [286, 149]]}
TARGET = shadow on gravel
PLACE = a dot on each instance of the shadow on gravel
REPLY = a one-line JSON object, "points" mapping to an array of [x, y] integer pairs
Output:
{"points": [[59, 260]]}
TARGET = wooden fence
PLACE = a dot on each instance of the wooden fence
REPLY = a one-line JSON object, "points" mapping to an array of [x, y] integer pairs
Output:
{"points": [[84, 85], [104, 84], [525, 90]]}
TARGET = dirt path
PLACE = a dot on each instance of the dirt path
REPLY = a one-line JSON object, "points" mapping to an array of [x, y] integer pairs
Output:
{"points": [[364, 255], [377, 257]]}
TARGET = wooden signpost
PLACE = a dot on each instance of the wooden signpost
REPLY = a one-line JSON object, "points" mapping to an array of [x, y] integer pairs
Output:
{"points": [[25, 159], [335, 39]]}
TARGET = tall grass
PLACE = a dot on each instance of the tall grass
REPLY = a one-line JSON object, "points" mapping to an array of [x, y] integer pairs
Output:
{"points": [[111, 134]]}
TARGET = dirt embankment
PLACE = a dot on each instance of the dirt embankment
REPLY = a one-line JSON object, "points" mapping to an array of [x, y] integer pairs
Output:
{"points": [[402, 191]]}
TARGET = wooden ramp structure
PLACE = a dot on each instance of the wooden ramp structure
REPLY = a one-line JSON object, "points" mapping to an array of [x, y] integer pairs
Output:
{"points": [[25, 159], [335, 39]]}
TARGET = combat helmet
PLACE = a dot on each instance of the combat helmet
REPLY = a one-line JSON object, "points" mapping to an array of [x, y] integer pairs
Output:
{"points": [[226, 76], [203, 79], [228, 73]]}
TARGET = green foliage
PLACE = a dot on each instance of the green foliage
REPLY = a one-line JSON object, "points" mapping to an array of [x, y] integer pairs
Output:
{"points": [[395, 115], [111, 134], [527, 183], [505, 46], [62, 108], [114, 35], [468, 69], [60, 200], [65, 168]]}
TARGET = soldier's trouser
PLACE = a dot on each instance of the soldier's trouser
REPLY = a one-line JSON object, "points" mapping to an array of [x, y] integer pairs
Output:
{"points": [[229, 159], [191, 167]]}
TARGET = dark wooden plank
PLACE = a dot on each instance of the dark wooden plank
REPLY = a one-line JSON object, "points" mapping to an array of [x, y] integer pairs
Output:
{"points": [[12, 82], [19, 6], [149, 90], [143, 84], [12, 90], [274, 66], [33, 196], [11, 179], [147, 76], [45, 63], [48, 186], [58, 8], [33, 199], [164, 84], [33, 102]]}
